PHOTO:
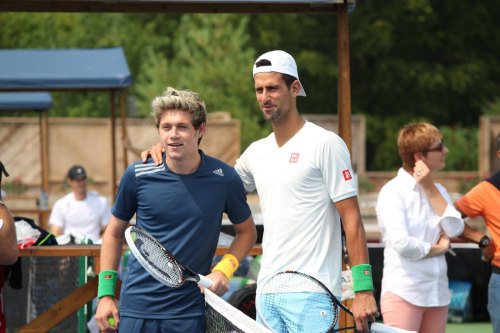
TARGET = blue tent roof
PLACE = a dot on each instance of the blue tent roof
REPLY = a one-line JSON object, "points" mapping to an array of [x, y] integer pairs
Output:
{"points": [[36, 101], [52, 69]]}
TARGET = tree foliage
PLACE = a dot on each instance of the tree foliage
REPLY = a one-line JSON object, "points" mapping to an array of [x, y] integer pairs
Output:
{"points": [[416, 60], [216, 73]]}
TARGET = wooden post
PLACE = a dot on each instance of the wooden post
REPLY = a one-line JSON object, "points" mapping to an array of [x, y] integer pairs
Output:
{"points": [[484, 151], [124, 126], [113, 146], [344, 109], [44, 150], [344, 79]]}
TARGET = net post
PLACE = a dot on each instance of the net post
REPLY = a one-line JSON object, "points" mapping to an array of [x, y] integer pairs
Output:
{"points": [[85, 312]]}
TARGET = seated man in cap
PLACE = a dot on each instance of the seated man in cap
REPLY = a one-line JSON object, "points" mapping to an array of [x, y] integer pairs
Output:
{"points": [[81, 212]]}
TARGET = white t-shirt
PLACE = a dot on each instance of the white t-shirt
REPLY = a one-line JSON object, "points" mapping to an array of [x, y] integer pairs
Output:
{"points": [[84, 217], [298, 184], [409, 226]]}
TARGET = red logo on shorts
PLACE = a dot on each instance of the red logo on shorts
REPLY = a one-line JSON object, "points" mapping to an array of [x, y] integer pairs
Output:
{"points": [[347, 175], [294, 157]]}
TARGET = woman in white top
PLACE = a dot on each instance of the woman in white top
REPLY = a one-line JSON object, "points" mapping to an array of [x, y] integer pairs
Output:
{"points": [[417, 219]]}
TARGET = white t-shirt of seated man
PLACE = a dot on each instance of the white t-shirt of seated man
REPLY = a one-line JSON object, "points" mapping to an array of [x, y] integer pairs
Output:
{"points": [[81, 217]]}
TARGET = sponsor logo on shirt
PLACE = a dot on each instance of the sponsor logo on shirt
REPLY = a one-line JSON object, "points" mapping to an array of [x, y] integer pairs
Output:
{"points": [[218, 172], [347, 175], [294, 158]]}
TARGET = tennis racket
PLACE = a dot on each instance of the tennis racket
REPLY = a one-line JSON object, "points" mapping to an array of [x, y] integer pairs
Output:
{"points": [[292, 301], [160, 263]]}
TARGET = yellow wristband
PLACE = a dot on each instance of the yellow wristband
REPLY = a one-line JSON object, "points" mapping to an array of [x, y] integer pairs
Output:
{"points": [[228, 265]]}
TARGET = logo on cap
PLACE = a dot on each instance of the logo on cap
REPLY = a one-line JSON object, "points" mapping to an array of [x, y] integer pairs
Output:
{"points": [[77, 172]]}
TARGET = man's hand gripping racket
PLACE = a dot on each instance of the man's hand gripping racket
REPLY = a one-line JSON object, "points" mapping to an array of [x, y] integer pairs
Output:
{"points": [[296, 302]]}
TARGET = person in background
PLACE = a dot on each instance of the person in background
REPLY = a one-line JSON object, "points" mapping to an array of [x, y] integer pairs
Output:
{"points": [[417, 219], [484, 200], [81, 212], [8, 245], [180, 203], [303, 176]]}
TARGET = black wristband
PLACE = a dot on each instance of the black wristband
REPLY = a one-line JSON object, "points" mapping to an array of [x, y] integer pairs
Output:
{"points": [[485, 241]]}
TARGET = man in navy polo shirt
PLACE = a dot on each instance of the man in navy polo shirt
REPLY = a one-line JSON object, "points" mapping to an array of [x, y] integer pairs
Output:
{"points": [[180, 203]]}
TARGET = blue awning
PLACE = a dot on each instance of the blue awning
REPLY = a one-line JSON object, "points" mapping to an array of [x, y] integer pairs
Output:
{"points": [[37, 101], [55, 69]]}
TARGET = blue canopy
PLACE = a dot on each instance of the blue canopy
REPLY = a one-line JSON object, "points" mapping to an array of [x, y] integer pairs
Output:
{"points": [[67, 69], [36, 101], [55, 69]]}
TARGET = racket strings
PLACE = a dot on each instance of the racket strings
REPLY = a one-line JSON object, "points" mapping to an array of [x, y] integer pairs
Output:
{"points": [[166, 268], [295, 303]]}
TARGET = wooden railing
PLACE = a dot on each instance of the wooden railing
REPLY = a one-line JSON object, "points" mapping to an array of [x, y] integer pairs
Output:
{"points": [[84, 294], [81, 296]]}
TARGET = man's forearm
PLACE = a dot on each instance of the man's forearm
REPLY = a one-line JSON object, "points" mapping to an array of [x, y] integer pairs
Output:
{"points": [[244, 241], [356, 244], [112, 244], [354, 231], [471, 235], [111, 251]]}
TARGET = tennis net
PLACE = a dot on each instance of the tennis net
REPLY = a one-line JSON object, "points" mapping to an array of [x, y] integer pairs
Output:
{"points": [[222, 317]]}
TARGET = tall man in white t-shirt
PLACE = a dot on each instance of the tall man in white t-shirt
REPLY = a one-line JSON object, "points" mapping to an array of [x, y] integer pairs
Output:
{"points": [[303, 176], [81, 212]]}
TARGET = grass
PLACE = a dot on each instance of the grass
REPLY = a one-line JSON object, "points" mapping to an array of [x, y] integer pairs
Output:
{"points": [[475, 327]]}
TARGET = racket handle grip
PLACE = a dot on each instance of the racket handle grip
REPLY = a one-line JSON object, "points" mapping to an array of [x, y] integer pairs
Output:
{"points": [[204, 281]]}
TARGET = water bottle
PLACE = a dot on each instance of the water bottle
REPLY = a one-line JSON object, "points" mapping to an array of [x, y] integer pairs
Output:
{"points": [[43, 200]]}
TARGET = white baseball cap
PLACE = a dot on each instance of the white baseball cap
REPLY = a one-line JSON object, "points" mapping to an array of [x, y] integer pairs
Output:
{"points": [[281, 62]]}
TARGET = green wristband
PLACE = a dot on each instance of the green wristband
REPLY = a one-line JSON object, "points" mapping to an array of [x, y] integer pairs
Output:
{"points": [[362, 277], [107, 283]]}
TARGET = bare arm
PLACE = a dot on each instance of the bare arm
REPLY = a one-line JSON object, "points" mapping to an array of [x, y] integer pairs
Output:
{"points": [[472, 235], [246, 235], [440, 248], [364, 306], [424, 178], [112, 244], [8, 238], [111, 251], [56, 230]]}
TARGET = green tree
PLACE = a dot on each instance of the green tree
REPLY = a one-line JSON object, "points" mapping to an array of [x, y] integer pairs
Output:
{"points": [[213, 58], [410, 60], [312, 40], [136, 33], [432, 60], [151, 81], [435, 60], [462, 142]]}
